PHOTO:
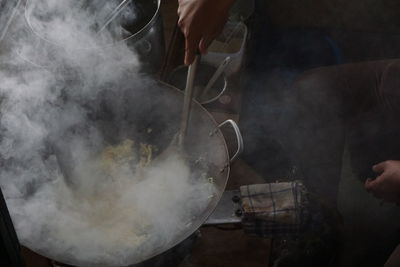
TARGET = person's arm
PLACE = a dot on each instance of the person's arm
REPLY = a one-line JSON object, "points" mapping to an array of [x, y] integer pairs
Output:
{"points": [[387, 185], [201, 21]]}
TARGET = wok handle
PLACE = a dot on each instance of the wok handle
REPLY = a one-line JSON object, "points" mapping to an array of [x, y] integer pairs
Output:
{"points": [[238, 137]]}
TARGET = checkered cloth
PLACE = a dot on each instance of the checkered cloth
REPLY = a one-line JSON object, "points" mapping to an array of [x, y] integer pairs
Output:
{"points": [[275, 209]]}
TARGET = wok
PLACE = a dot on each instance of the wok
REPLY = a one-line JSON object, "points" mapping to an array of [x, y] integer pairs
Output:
{"points": [[130, 113]]}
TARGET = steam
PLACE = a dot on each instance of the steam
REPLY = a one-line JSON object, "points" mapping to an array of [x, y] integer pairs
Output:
{"points": [[52, 64]]}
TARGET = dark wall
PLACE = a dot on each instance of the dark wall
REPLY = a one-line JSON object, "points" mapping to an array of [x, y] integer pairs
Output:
{"points": [[368, 15]]}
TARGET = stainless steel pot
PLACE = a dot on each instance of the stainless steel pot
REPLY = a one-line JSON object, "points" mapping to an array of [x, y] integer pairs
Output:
{"points": [[142, 25], [120, 114], [148, 40], [203, 75]]}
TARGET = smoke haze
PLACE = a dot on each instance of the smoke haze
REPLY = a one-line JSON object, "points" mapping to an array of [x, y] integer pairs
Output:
{"points": [[52, 63]]}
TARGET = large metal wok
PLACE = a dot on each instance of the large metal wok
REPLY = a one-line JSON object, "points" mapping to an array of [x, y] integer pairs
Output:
{"points": [[130, 112]]}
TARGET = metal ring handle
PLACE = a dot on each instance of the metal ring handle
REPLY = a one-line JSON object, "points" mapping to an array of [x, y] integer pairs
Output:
{"points": [[219, 94], [220, 71], [238, 137]]}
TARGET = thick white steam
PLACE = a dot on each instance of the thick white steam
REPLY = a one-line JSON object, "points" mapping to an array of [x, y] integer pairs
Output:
{"points": [[50, 66]]}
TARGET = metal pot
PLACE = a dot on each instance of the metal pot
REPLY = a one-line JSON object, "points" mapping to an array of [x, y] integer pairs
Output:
{"points": [[119, 114], [149, 41], [143, 33], [203, 75]]}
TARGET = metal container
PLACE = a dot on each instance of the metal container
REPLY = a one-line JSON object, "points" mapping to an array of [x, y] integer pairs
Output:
{"points": [[141, 25], [117, 114], [230, 43], [203, 75], [148, 40]]}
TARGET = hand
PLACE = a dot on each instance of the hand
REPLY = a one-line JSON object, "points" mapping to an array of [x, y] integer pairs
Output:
{"points": [[387, 185], [201, 21]]}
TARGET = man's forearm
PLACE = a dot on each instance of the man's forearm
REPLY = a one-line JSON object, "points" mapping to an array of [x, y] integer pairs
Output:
{"points": [[201, 21]]}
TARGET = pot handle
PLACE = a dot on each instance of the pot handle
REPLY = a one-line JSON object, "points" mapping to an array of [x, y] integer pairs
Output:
{"points": [[238, 137]]}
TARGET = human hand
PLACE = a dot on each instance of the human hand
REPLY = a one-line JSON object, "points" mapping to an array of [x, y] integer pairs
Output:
{"points": [[201, 21], [387, 185]]}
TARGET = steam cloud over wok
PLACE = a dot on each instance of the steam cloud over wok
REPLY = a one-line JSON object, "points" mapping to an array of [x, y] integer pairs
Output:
{"points": [[99, 213]]}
